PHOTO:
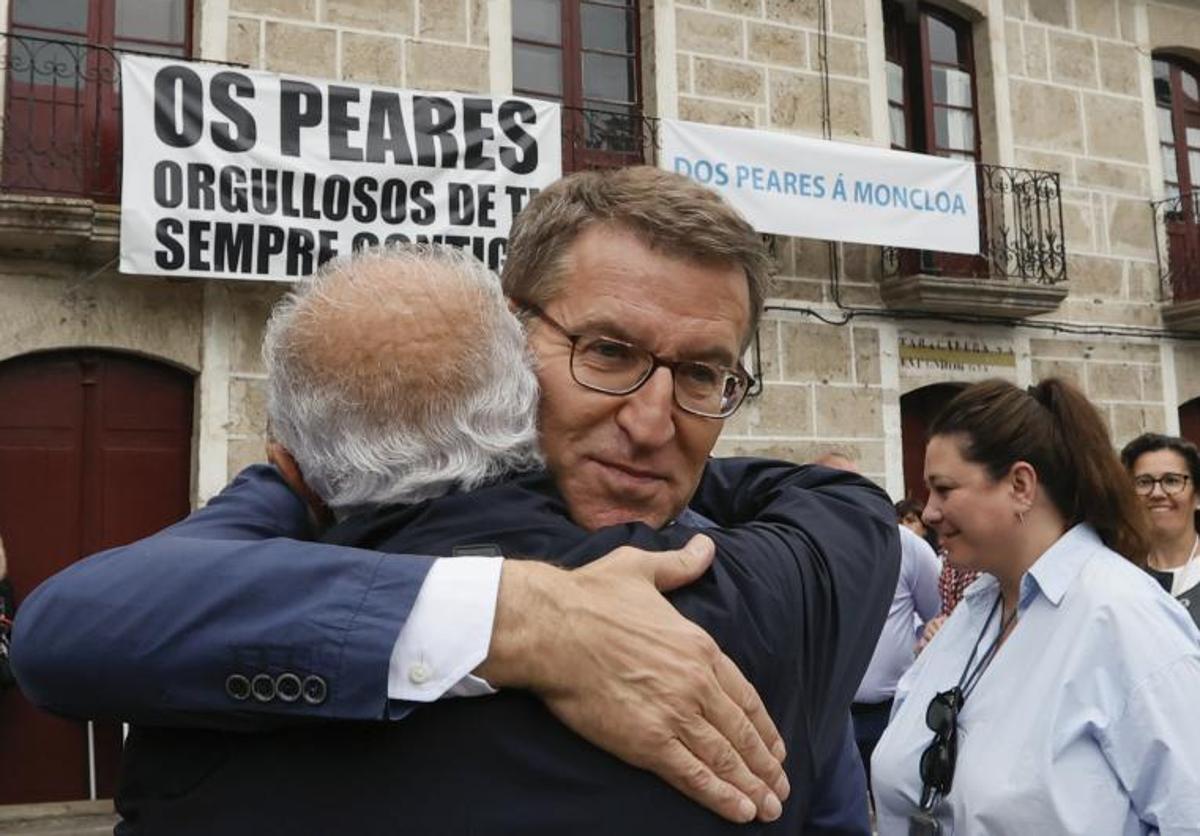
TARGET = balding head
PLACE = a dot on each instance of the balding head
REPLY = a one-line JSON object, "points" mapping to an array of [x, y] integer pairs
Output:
{"points": [[397, 374]]}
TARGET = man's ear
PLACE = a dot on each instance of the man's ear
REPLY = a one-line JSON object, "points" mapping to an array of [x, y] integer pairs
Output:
{"points": [[289, 469]]}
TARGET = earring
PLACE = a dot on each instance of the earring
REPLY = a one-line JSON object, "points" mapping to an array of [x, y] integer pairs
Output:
{"points": [[1021, 517]]}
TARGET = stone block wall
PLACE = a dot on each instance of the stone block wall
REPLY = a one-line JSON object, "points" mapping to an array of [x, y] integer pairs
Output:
{"points": [[422, 44], [1075, 73]]}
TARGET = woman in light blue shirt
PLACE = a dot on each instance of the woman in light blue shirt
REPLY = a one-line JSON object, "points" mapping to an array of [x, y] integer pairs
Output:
{"points": [[1061, 695]]}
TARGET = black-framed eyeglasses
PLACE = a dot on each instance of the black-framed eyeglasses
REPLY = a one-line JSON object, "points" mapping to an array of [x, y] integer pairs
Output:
{"points": [[940, 756], [608, 365], [1172, 483]]}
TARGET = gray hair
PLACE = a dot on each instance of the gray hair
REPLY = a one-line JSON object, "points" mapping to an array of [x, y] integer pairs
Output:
{"points": [[398, 374]]}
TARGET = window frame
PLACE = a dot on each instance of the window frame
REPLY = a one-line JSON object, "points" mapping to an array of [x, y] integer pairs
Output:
{"points": [[576, 155], [1187, 181]]}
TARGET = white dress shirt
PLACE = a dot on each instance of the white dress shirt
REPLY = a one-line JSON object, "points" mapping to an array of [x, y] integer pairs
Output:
{"points": [[916, 601], [1086, 720], [447, 633]]}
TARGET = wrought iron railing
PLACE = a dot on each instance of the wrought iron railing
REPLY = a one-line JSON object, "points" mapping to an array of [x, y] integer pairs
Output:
{"points": [[596, 138], [1020, 233], [1177, 241], [62, 122]]}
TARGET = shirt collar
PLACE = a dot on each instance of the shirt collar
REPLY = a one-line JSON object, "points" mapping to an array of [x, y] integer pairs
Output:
{"points": [[1053, 572], [1059, 565]]}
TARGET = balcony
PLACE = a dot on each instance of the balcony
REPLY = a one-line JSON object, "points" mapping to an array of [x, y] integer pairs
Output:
{"points": [[60, 149], [615, 137], [1177, 225], [1021, 267]]}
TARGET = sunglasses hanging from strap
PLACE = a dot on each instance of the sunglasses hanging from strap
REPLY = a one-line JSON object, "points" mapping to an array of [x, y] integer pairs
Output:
{"points": [[941, 716]]}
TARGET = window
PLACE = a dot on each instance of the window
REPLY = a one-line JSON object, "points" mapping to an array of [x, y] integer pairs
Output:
{"points": [[584, 54], [1177, 95], [62, 109], [931, 82]]}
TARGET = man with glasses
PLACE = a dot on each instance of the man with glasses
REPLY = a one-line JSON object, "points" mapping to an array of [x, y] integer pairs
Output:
{"points": [[639, 265]]}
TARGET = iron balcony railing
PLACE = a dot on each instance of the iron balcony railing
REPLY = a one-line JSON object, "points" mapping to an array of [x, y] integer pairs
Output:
{"points": [[597, 138], [61, 131], [1177, 241], [1020, 233]]}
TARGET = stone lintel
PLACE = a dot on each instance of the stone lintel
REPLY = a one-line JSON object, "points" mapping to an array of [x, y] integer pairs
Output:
{"points": [[995, 297], [58, 228]]}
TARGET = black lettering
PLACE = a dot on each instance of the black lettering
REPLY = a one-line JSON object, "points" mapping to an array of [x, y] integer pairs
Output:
{"points": [[168, 184], [516, 195], [326, 238], [395, 238], [420, 193], [299, 107], [223, 85], [497, 249], [270, 242], [461, 204], [341, 123], [201, 177], [363, 240], [233, 245], [475, 134], [198, 245], [385, 130], [264, 190], [300, 246], [335, 198], [510, 112], [485, 205], [167, 84], [232, 189], [365, 209], [433, 119], [170, 258], [308, 196], [392, 201], [287, 182]]}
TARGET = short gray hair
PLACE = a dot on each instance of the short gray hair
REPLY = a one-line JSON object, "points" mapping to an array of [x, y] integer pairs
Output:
{"points": [[397, 374]]}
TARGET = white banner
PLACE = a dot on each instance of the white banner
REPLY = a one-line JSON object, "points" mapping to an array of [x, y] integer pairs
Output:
{"points": [[813, 188], [234, 173]]}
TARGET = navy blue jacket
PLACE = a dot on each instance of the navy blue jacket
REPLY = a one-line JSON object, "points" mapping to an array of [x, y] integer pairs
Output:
{"points": [[796, 598]]}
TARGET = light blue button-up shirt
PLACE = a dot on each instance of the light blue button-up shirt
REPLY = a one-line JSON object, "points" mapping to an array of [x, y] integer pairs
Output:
{"points": [[1087, 720]]}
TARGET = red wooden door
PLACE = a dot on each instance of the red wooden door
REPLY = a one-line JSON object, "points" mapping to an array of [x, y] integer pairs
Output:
{"points": [[95, 451], [1189, 420], [918, 408]]}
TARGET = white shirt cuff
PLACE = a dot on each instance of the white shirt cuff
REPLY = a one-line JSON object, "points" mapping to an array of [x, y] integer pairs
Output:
{"points": [[448, 632]]}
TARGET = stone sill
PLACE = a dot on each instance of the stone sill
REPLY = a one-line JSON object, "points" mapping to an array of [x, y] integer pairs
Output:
{"points": [[1182, 316], [58, 228], [995, 297]]}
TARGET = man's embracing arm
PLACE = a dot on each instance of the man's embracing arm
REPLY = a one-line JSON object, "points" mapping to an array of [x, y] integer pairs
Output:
{"points": [[152, 632]]}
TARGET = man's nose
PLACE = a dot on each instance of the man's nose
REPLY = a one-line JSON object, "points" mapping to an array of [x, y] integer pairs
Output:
{"points": [[647, 415]]}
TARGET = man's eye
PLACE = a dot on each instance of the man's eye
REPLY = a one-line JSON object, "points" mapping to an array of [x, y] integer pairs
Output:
{"points": [[699, 375], [607, 351]]}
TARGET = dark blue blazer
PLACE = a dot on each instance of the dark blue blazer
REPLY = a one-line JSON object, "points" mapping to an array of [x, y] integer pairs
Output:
{"points": [[796, 598]]}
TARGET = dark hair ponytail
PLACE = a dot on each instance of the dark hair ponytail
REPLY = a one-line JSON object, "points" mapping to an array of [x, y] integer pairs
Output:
{"points": [[1054, 428]]}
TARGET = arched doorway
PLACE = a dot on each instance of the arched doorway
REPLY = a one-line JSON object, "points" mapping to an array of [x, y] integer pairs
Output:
{"points": [[1189, 420], [918, 408], [95, 451]]}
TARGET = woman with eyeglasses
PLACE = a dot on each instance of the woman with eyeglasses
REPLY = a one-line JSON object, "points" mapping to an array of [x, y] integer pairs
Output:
{"points": [[1164, 470], [1060, 695]]}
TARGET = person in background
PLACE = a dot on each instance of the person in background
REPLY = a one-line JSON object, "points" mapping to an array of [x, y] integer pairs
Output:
{"points": [[915, 602], [1165, 470], [1060, 695], [908, 513]]}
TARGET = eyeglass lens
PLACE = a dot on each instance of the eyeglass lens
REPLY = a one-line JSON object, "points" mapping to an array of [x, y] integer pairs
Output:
{"points": [[618, 368], [1172, 483]]}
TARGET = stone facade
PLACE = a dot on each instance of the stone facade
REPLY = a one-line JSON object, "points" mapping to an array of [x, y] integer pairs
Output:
{"points": [[1063, 85]]}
